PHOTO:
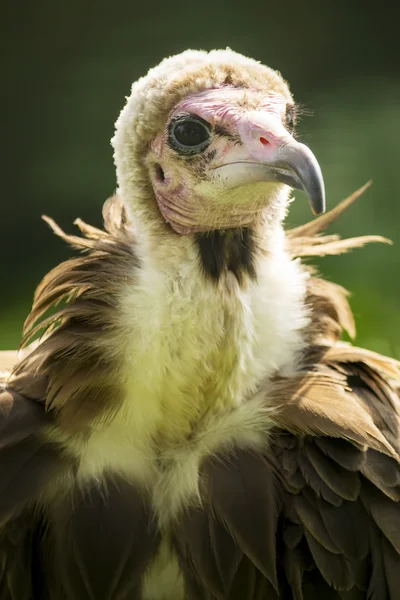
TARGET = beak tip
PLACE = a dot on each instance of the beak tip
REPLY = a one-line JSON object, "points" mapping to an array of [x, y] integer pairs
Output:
{"points": [[317, 199], [320, 210]]}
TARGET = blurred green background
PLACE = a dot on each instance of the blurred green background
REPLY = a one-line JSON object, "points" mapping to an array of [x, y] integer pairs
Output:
{"points": [[66, 67]]}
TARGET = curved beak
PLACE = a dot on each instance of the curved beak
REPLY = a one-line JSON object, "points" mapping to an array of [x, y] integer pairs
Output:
{"points": [[270, 153]]}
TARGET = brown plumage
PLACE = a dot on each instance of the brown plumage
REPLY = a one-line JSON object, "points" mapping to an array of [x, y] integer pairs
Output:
{"points": [[152, 447], [324, 498]]}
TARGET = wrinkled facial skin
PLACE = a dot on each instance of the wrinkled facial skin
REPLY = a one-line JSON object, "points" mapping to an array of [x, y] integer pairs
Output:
{"points": [[239, 167]]}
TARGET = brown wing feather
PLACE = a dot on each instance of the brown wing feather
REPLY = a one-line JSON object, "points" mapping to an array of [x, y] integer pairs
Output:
{"points": [[101, 540], [27, 459], [82, 376], [327, 300], [28, 464], [317, 512], [348, 428], [17, 558], [345, 416]]}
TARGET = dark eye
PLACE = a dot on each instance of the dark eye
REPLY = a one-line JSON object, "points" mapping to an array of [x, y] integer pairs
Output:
{"points": [[189, 135]]}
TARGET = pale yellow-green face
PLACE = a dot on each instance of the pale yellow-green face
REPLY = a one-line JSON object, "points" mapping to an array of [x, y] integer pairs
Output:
{"points": [[224, 155]]}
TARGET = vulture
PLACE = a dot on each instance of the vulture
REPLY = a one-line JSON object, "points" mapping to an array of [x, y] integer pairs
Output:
{"points": [[183, 419]]}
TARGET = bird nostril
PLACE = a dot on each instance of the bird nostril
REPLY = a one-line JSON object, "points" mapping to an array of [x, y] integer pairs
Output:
{"points": [[264, 141]]}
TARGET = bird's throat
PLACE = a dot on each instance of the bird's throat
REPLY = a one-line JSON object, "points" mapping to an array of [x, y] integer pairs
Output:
{"points": [[231, 250], [188, 213]]}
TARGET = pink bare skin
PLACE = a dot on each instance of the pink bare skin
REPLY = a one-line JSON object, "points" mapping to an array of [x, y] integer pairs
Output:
{"points": [[248, 158]]}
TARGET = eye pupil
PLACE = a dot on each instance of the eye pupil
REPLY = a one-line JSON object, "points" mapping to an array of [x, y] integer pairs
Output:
{"points": [[190, 133]]}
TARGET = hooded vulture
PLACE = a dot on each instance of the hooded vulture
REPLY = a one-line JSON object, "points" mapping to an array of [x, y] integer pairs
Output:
{"points": [[183, 420]]}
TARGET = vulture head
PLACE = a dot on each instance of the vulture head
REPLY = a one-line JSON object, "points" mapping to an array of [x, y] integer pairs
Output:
{"points": [[205, 142]]}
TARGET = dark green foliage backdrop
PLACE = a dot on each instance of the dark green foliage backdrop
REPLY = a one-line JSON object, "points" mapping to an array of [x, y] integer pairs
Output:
{"points": [[66, 67]]}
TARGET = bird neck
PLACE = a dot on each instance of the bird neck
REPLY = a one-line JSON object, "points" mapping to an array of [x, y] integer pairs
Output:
{"points": [[226, 276], [236, 253], [219, 251]]}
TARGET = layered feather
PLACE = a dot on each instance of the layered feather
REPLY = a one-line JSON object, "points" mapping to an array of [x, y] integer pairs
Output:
{"points": [[312, 511]]}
